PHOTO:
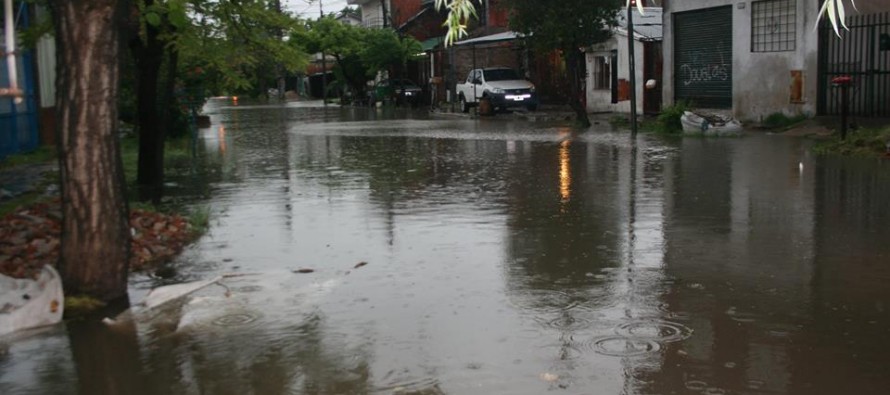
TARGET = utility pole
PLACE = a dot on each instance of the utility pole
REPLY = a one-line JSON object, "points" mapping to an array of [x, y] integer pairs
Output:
{"points": [[324, 63], [633, 68], [279, 69]]}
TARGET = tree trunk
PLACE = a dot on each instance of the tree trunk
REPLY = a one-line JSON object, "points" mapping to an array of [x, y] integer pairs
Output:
{"points": [[149, 55], [167, 91], [95, 239], [572, 58]]}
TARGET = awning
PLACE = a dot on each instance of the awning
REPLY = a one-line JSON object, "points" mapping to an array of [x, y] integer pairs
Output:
{"points": [[505, 36], [434, 42]]}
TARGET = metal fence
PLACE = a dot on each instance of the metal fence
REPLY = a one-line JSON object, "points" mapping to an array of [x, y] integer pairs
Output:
{"points": [[863, 53]]}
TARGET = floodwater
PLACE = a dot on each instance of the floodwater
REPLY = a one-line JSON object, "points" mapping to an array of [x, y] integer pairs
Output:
{"points": [[502, 257]]}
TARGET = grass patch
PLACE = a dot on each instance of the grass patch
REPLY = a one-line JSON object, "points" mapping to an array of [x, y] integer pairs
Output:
{"points": [[177, 154], [42, 154], [80, 305], [199, 220], [778, 120], [37, 195], [19, 201], [866, 142]]}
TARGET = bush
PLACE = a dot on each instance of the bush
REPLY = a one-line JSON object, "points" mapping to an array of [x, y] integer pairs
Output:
{"points": [[668, 120], [778, 120], [868, 142]]}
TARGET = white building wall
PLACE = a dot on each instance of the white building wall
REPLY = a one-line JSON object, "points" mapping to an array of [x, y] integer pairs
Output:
{"points": [[599, 100], [372, 12], [761, 80]]}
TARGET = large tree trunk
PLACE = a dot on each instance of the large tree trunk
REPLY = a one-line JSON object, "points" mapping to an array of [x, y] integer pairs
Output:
{"points": [[149, 55], [168, 90], [95, 240], [572, 57]]}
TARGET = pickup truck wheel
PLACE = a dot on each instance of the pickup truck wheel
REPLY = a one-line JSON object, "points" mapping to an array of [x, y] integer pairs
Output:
{"points": [[463, 104]]}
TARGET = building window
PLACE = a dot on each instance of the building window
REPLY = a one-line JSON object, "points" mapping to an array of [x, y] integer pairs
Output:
{"points": [[773, 25], [601, 74]]}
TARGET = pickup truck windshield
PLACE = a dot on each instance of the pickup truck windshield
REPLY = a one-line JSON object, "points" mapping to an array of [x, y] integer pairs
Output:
{"points": [[500, 75]]}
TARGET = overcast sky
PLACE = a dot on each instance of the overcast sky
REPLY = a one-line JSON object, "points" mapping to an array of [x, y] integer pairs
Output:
{"points": [[308, 9]]}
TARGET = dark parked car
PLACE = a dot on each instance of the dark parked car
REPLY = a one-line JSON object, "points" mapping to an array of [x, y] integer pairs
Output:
{"points": [[400, 90]]}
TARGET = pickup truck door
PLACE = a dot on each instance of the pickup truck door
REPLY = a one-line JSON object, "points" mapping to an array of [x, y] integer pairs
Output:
{"points": [[476, 81]]}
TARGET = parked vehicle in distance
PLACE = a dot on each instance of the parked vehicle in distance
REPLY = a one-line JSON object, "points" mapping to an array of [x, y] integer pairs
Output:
{"points": [[400, 90], [502, 86]]}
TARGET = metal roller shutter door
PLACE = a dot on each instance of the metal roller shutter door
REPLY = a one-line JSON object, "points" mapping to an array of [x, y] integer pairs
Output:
{"points": [[703, 57]]}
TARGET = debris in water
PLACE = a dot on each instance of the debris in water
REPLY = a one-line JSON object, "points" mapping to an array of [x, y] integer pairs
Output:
{"points": [[360, 264], [304, 271], [162, 295], [549, 377]]}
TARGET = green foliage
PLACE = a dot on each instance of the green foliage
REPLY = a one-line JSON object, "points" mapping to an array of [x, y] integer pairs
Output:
{"points": [[867, 142], [459, 14], [778, 120], [199, 220], [836, 13], [668, 120], [238, 44], [360, 53], [573, 24]]}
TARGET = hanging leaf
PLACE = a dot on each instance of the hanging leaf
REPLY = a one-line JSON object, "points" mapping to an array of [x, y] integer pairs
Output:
{"points": [[152, 18]]}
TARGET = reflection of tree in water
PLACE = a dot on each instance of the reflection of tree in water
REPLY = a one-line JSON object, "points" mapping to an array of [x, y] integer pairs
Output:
{"points": [[554, 242], [37, 363], [403, 170], [562, 231]]}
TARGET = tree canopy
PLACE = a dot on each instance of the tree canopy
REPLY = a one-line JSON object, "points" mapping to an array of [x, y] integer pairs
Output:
{"points": [[360, 53], [572, 25]]}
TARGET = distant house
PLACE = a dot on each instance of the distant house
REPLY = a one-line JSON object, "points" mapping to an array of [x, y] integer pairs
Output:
{"points": [[608, 87], [349, 17], [374, 13], [755, 58]]}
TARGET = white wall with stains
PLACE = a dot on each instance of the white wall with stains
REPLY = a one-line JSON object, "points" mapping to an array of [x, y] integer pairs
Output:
{"points": [[761, 80]]}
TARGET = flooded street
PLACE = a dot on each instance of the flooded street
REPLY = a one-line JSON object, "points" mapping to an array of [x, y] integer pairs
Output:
{"points": [[502, 257]]}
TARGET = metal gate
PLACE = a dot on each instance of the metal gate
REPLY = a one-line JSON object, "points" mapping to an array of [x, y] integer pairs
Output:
{"points": [[862, 53], [703, 57]]}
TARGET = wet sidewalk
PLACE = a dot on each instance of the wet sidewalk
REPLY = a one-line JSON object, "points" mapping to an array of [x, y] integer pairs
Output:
{"points": [[544, 113]]}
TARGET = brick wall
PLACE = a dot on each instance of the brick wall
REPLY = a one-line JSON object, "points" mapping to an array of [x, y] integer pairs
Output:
{"points": [[402, 10]]}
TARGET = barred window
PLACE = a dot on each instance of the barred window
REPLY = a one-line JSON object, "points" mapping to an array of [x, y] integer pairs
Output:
{"points": [[773, 25], [601, 73]]}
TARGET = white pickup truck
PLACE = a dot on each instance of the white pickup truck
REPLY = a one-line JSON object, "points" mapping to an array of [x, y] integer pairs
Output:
{"points": [[501, 85]]}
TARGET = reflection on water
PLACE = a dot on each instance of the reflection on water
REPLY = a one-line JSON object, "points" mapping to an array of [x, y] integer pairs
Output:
{"points": [[565, 175], [502, 258]]}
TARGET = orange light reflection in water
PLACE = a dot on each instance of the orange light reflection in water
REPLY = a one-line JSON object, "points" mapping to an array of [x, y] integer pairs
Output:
{"points": [[565, 174], [221, 133]]}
